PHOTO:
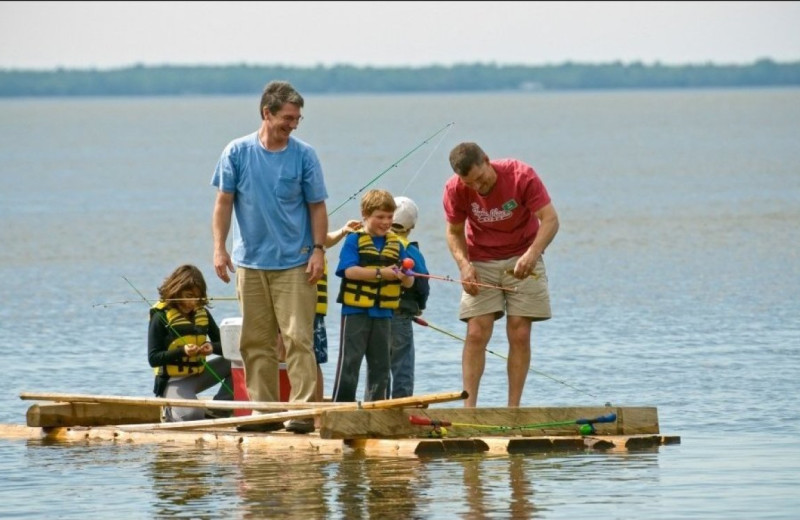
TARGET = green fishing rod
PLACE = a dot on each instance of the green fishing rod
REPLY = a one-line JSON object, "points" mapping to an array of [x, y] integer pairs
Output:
{"points": [[164, 319], [424, 323], [394, 165], [585, 426]]}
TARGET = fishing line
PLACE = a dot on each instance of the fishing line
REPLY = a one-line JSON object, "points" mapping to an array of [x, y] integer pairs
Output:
{"points": [[164, 319], [211, 298], [425, 323], [428, 158], [394, 165]]}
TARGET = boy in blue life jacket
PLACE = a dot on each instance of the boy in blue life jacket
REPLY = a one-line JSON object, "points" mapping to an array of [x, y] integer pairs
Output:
{"points": [[369, 294], [412, 303]]}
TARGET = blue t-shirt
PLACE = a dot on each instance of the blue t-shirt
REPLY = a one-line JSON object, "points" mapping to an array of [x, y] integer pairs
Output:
{"points": [[272, 190], [348, 257]]}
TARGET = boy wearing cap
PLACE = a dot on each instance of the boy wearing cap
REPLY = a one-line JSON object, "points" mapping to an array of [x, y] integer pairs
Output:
{"points": [[369, 294], [412, 303]]}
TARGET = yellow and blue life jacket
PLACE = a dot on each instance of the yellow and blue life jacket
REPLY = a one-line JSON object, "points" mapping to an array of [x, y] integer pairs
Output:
{"points": [[365, 293], [182, 332]]}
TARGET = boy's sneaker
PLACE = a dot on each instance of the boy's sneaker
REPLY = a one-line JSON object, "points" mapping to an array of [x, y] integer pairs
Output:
{"points": [[300, 425]]}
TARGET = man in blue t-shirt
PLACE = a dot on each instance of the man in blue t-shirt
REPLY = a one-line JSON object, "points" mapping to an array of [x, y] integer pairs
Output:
{"points": [[271, 186]]}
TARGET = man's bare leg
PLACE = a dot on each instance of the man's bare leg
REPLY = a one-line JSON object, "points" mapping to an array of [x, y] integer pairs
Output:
{"points": [[473, 359], [518, 329]]}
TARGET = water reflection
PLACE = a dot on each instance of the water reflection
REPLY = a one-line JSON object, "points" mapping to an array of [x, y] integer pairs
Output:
{"points": [[521, 505], [182, 481], [381, 488], [496, 487], [272, 486], [166, 481], [256, 484]]}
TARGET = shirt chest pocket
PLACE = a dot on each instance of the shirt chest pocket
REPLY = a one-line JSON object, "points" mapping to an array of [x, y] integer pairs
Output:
{"points": [[288, 187]]}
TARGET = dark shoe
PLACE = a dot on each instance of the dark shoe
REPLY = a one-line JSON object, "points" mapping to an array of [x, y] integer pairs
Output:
{"points": [[300, 426], [218, 414], [260, 427]]}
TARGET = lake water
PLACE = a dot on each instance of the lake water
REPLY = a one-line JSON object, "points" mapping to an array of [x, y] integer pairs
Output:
{"points": [[674, 279]]}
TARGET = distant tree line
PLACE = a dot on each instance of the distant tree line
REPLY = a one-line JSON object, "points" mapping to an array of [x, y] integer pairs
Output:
{"points": [[172, 80]]}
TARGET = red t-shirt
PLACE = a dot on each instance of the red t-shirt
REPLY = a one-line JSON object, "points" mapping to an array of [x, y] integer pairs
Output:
{"points": [[502, 224]]}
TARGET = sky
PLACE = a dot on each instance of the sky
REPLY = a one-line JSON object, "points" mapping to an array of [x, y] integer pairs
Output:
{"points": [[105, 35]]}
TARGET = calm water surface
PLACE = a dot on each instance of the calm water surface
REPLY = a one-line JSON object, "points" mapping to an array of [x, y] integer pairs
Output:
{"points": [[674, 280]]}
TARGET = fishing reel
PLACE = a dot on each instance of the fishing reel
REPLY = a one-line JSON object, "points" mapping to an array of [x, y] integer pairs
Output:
{"points": [[437, 432]]}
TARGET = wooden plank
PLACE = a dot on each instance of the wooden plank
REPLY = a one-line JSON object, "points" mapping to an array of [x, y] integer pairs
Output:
{"points": [[89, 414], [124, 410], [186, 403], [417, 447], [637, 420], [20, 432], [279, 442], [355, 424], [506, 445], [312, 445], [303, 414]]}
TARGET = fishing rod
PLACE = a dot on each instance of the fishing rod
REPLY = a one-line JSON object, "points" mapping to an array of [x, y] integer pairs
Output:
{"points": [[217, 298], [407, 265], [394, 165], [586, 426], [424, 323], [409, 272], [164, 319]]}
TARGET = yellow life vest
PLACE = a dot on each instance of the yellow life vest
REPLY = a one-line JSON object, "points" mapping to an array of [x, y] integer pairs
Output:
{"points": [[364, 293], [183, 332], [322, 292]]}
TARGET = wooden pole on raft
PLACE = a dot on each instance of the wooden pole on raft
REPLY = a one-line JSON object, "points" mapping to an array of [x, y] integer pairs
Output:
{"points": [[302, 414], [160, 401]]}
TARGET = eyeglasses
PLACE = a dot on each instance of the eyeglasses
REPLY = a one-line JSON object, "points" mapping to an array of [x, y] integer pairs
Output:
{"points": [[291, 119]]}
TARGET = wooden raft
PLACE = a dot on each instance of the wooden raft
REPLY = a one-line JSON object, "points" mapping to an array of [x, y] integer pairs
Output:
{"points": [[381, 428]]}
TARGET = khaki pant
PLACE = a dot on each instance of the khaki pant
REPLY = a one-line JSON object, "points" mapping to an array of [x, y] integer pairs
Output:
{"points": [[273, 301]]}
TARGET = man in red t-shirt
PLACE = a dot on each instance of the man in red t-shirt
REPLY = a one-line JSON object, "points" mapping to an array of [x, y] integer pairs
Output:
{"points": [[499, 221]]}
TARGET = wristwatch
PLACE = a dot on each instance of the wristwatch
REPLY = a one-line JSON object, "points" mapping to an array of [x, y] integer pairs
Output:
{"points": [[320, 247], [378, 273]]}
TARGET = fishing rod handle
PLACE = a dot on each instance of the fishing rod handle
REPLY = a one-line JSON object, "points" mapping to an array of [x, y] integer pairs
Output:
{"points": [[608, 418], [424, 421]]}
